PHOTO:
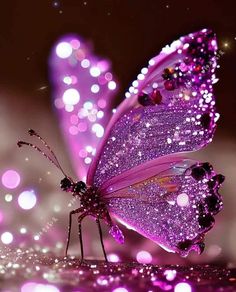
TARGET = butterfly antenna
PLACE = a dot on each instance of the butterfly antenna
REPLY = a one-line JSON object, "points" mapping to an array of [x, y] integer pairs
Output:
{"points": [[33, 133]]}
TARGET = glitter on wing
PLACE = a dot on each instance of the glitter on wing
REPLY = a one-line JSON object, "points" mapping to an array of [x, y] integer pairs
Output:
{"points": [[170, 108], [150, 132]]}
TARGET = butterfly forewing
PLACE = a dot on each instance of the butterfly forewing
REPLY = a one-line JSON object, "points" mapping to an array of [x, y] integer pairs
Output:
{"points": [[83, 88], [170, 109]]}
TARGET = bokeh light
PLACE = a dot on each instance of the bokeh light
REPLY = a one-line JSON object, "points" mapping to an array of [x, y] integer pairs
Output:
{"points": [[120, 289], [183, 287], [35, 287], [7, 237], [100, 114], [67, 80], [95, 88], [28, 287], [111, 85], [102, 103], [98, 129], [36, 237], [85, 63], [88, 105], [27, 199], [11, 179], [102, 281], [69, 108], [87, 160], [23, 230], [113, 258], [95, 71], [144, 257], [71, 96], [64, 50], [75, 43], [8, 197], [170, 274]]}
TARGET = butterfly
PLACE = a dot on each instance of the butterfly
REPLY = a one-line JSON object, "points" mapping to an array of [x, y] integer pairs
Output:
{"points": [[136, 170]]}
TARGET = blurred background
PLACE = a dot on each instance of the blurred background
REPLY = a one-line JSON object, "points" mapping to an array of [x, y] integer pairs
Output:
{"points": [[33, 209]]}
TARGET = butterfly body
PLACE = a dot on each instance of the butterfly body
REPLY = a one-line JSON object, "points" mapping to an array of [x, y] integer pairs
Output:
{"points": [[91, 201], [90, 198]]}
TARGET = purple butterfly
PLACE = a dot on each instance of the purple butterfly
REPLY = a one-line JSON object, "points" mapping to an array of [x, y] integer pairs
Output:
{"points": [[135, 171]]}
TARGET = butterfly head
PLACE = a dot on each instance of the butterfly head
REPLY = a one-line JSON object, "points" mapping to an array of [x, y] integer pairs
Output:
{"points": [[67, 184], [76, 188]]}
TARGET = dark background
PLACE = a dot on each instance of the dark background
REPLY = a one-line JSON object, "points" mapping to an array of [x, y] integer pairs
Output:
{"points": [[128, 33]]}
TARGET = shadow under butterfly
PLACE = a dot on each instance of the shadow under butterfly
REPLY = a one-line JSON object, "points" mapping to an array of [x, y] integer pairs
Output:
{"points": [[135, 170]]}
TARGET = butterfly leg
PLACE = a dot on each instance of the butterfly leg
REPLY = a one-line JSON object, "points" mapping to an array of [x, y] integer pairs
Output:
{"points": [[80, 218], [69, 228], [101, 238]]}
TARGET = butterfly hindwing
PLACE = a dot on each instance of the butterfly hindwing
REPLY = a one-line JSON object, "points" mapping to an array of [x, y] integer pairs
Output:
{"points": [[174, 208]]}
